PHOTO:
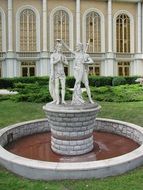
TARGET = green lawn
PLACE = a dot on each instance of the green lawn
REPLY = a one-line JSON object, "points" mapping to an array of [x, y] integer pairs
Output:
{"points": [[11, 113]]}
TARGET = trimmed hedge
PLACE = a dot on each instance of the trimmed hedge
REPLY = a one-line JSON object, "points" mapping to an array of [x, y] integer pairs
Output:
{"points": [[118, 81], [93, 81], [6, 83]]}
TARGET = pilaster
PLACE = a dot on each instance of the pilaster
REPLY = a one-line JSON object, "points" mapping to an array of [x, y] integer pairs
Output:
{"points": [[78, 34]]}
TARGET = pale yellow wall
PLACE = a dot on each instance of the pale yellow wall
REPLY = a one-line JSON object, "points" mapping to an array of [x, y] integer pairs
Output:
{"points": [[3, 4], [71, 5]]}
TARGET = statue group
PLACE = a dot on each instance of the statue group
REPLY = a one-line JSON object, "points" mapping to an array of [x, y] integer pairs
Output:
{"points": [[80, 72]]}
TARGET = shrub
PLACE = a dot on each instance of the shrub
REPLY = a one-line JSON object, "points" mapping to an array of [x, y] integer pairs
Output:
{"points": [[131, 80], [70, 81], [6, 83], [118, 81], [40, 80], [4, 97], [123, 93], [35, 93], [100, 81]]}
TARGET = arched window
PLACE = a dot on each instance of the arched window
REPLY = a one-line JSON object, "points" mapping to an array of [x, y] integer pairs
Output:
{"points": [[0, 33], [27, 30], [93, 31], [123, 33], [61, 26]]}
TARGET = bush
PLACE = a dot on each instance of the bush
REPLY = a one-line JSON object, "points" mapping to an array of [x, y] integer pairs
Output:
{"points": [[123, 93], [70, 81], [131, 80], [100, 81], [6, 83], [28, 80], [4, 97], [35, 93], [118, 81]]}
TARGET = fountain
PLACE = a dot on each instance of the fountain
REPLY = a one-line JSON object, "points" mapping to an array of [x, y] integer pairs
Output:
{"points": [[71, 143]]}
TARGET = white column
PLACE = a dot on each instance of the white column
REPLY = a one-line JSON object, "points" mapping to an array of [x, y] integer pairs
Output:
{"points": [[109, 68], [110, 32], [11, 66], [137, 66], [43, 66], [142, 26], [45, 25], [10, 27], [78, 38], [139, 33]]}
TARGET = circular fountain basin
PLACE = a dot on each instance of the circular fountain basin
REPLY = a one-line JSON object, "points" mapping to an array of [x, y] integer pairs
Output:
{"points": [[36, 169], [38, 147]]}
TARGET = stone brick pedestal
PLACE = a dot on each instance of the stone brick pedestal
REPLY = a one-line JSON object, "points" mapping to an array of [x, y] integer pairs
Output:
{"points": [[71, 127]]}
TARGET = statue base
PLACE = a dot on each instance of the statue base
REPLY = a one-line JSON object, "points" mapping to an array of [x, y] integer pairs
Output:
{"points": [[71, 127]]}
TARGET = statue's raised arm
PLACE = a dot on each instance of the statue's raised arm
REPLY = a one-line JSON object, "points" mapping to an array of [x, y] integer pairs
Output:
{"points": [[67, 47]]}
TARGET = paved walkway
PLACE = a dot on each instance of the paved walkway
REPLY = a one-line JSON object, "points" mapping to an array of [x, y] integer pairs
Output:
{"points": [[7, 92]]}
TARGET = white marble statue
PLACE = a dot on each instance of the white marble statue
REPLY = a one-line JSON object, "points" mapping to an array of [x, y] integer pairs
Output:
{"points": [[140, 80], [57, 75], [80, 71]]}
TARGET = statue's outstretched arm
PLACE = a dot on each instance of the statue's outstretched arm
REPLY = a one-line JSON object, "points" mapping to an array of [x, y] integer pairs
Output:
{"points": [[89, 60], [67, 47], [65, 61]]}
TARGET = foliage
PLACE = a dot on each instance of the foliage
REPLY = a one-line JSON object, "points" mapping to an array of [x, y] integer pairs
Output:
{"points": [[118, 81], [100, 81], [34, 93], [4, 97], [123, 93], [10, 82], [70, 81], [6, 83]]}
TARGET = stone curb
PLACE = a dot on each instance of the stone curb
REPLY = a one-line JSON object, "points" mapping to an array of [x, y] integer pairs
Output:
{"points": [[35, 169]]}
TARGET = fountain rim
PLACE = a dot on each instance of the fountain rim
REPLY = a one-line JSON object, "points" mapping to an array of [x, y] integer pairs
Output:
{"points": [[37, 164], [73, 109]]}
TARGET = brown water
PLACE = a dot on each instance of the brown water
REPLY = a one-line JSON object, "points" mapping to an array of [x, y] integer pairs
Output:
{"points": [[38, 147]]}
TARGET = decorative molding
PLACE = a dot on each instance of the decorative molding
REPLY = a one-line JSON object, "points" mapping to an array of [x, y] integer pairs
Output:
{"points": [[102, 26], [3, 18], [18, 26], [131, 29], [52, 26]]}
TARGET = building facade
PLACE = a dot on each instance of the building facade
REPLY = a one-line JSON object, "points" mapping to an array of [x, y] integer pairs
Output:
{"points": [[29, 29]]}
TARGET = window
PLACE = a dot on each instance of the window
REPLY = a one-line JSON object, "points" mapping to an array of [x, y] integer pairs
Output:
{"points": [[123, 68], [93, 32], [28, 68], [94, 69], [61, 26], [0, 33], [27, 30], [123, 33]]}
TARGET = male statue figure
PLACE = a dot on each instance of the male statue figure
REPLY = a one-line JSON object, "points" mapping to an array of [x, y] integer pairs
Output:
{"points": [[57, 76], [80, 71]]}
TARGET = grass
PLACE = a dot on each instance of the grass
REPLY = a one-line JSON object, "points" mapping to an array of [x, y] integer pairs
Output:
{"points": [[11, 112]]}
